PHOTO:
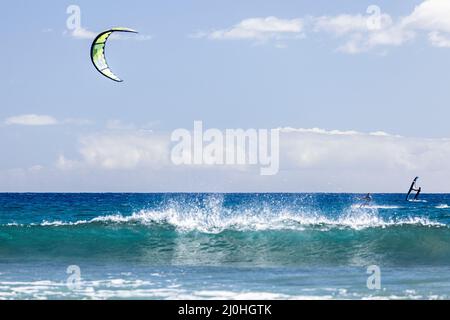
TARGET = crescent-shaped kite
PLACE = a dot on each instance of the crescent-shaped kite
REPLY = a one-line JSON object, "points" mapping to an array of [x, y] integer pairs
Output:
{"points": [[98, 52]]}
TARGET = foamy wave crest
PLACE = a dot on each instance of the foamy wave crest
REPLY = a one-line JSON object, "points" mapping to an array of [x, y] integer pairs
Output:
{"points": [[216, 220], [442, 206], [375, 206]]}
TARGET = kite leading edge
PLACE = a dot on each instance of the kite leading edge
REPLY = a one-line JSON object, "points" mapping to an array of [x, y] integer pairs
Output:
{"points": [[98, 52]]}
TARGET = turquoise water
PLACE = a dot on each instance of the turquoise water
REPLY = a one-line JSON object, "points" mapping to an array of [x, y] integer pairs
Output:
{"points": [[199, 246]]}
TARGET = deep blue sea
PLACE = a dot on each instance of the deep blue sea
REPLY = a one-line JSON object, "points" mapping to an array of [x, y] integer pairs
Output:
{"points": [[223, 246]]}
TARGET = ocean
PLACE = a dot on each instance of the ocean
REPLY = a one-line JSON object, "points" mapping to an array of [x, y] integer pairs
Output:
{"points": [[223, 246]]}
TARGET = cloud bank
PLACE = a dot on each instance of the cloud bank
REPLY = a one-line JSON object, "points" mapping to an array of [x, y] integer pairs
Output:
{"points": [[85, 34], [358, 32], [42, 120], [261, 29], [31, 120], [311, 160]]}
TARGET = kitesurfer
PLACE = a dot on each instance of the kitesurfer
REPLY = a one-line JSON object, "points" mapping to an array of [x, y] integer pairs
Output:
{"points": [[367, 200]]}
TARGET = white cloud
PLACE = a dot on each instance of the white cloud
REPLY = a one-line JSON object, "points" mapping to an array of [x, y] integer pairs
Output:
{"points": [[77, 121], [334, 132], [354, 45], [318, 131], [341, 24], [124, 151], [260, 29], [31, 120], [142, 37], [82, 33], [392, 36], [351, 150], [116, 124], [437, 39], [43, 120], [363, 32], [66, 164], [430, 15], [36, 168]]}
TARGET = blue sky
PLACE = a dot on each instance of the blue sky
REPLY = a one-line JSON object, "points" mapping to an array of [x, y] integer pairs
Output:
{"points": [[191, 62]]}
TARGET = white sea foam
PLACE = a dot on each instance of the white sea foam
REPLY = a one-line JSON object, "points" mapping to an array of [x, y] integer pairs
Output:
{"points": [[13, 224], [375, 206], [215, 222], [143, 289], [442, 206]]}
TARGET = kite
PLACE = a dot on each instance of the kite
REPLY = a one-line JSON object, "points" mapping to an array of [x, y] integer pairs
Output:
{"points": [[98, 52]]}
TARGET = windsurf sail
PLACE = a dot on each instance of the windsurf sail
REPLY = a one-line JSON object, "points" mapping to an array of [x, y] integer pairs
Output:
{"points": [[412, 187], [98, 52], [416, 197]]}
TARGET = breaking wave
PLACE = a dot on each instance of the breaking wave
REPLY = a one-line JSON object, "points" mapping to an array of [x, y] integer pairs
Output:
{"points": [[216, 221]]}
